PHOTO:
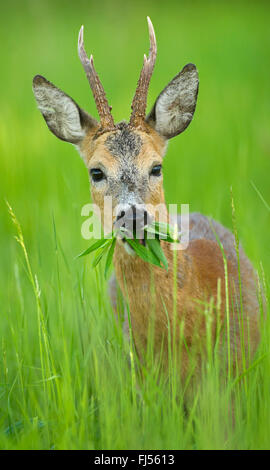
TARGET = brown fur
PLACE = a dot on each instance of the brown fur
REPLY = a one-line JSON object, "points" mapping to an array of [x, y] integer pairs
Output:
{"points": [[199, 268], [149, 290]]}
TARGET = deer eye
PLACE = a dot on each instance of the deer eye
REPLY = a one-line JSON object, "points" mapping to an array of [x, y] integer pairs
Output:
{"points": [[97, 174], [156, 170]]}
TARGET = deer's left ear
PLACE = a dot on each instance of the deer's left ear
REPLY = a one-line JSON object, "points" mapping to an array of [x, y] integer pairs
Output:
{"points": [[175, 106]]}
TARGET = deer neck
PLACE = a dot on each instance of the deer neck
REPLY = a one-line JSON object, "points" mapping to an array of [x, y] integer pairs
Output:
{"points": [[145, 287]]}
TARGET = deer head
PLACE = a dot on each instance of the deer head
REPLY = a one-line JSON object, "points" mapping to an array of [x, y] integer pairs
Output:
{"points": [[124, 160]]}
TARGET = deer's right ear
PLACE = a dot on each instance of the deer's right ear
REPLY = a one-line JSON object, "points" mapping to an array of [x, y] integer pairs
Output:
{"points": [[174, 108], [63, 116]]}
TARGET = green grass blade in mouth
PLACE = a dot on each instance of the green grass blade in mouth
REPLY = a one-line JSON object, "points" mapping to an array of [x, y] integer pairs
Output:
{"points": [[162, 231], [156, 249], [151, 253], [100, 253], [144, 253], [109, 258], [98, 244]]}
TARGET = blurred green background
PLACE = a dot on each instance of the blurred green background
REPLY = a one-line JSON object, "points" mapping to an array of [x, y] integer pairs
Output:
{"points": [[227, 144], [46, 183]]}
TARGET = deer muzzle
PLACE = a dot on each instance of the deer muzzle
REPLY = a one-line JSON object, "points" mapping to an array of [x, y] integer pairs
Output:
{"points": [[131, 221]]}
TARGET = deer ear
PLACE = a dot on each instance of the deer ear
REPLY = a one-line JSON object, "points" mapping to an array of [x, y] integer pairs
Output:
{"points": [[63, 116], [175, 106]]}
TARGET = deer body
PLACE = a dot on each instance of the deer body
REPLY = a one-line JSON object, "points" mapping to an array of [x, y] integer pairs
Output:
{"points": [[125, 163], [198, 269]]}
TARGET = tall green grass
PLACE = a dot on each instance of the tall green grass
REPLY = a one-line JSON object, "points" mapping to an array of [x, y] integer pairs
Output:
{"points": [[68, 377]]}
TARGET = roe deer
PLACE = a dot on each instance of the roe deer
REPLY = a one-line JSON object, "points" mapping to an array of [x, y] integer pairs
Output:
{"points": [[124, 161]]}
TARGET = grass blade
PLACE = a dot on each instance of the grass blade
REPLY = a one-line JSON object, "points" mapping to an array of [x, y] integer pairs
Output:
{"points": [[95, 246], [109, 258], [260, 196], [155, 247], [162, 231], [101, 252], [143, 252]]}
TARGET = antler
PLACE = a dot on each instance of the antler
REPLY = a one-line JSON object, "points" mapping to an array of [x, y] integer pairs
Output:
{"points": [[140, 98], [104, 110]]}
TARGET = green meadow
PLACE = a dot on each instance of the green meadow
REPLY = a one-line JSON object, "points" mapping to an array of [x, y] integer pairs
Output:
{"points": [[68, 377]]}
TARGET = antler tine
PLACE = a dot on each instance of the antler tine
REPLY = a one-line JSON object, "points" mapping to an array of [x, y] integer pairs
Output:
{"points": [[140, 98], [104, 110]]}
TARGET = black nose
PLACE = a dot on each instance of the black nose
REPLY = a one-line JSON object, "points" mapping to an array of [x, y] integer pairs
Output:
{"points": [[133, 219]]}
